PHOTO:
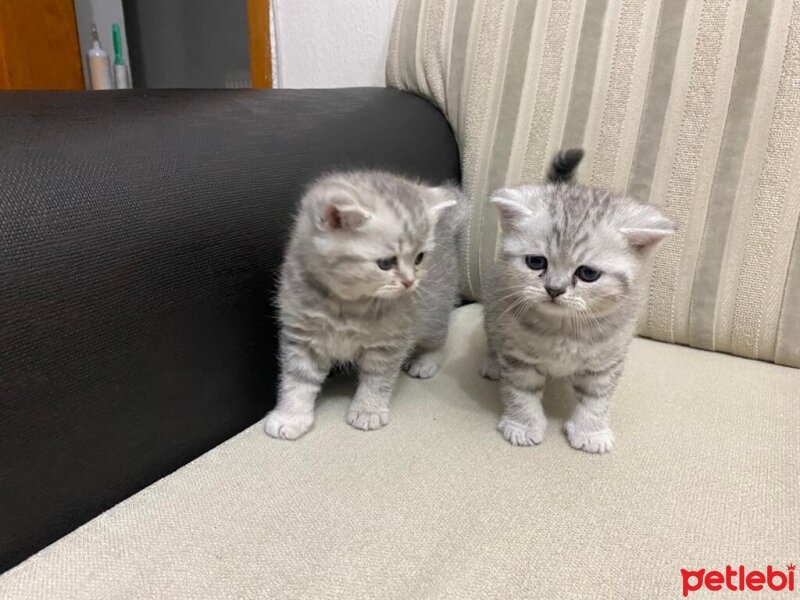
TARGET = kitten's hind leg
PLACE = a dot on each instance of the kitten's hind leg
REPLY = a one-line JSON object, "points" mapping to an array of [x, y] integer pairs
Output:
{"points": [[424, 363]]}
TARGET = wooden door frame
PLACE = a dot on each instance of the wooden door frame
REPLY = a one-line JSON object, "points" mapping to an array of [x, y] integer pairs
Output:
{"points": [[258, 33], [39, 48]]}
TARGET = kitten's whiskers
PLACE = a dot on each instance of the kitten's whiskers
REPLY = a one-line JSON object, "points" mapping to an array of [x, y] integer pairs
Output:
{"points": [[513, 304], [519, 289]]}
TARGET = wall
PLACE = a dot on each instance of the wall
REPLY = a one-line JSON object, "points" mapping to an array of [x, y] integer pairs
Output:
{"points": [[331, 43], [103, 13]]}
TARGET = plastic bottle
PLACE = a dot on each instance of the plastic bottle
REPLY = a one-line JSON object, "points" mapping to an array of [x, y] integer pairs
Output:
{"points": [[99, 68], [120, 68]]}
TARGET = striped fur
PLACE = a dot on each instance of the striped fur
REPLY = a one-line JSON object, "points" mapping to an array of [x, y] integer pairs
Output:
{"points": [[337, 305], [543, 318], [687, 105]]}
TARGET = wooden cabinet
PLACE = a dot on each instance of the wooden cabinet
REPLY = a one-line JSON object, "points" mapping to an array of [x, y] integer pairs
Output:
{"points": [[39, 47]]}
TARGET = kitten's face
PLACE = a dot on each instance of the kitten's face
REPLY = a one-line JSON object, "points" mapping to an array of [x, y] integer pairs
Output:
{"points": [[568, 250], [372, 235], [557, 274], [379, 260]]}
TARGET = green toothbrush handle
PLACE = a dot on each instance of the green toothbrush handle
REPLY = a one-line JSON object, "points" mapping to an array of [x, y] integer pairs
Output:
{"points": [[116, 36]]}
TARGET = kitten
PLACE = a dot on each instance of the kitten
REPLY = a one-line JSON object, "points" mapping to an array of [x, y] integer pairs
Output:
{"points": [[562, 300], [370, 277]]}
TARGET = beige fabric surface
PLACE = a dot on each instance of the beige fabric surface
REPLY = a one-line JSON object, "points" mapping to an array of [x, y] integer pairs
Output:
{"points": [[692, 105], [438, 505]]}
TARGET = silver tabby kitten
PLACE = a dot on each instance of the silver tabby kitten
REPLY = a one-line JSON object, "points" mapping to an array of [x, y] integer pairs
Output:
{"points": [[563, 298], [369, 278]]}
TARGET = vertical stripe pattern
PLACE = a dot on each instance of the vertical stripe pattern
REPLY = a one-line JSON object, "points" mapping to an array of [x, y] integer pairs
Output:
{"points": [[727, 174], [692, 105], [686, 172]]}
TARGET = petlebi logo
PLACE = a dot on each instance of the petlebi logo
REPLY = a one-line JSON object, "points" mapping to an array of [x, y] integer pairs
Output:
{"points": [[739, 579]]}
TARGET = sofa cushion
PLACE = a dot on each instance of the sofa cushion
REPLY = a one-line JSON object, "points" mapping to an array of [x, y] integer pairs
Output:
{"points": [[437, 504], [141, 236], [688, 105]]}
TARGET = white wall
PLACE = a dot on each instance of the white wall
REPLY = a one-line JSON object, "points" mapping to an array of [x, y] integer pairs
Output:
{"points": [[331, 43], [104, 13]]}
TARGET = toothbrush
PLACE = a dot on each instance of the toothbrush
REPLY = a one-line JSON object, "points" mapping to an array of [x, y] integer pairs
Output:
{"points": [[120, 68]]}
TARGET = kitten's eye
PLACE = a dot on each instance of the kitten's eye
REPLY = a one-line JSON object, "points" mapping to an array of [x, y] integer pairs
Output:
{"points": [[537, 263], [588, 274], [384, 264], [419, 258]]}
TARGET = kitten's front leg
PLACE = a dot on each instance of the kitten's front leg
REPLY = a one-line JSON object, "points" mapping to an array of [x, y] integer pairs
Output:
{"points": [[523, 421], [588, 428], [301, 378], [378, 371]]}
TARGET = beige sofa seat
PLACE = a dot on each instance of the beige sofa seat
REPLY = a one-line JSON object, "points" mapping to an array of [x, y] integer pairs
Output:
{"points": [[437, 504]]}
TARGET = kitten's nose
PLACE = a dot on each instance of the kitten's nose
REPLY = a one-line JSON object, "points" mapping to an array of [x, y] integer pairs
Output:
{"points": [[407, 282], [554, 292]]}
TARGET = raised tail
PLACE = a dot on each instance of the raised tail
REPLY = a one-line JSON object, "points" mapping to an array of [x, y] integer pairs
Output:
{"points": [[564, 164]]}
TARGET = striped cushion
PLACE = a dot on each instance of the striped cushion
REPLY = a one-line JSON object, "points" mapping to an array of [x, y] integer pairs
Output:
{"points": [[690, 105]]}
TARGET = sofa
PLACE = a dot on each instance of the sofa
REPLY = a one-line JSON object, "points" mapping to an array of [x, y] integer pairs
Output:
{"points": [[141, 234]]}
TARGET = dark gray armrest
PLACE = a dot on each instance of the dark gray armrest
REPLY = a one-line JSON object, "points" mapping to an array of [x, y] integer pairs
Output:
{"points": [[140, 237]]}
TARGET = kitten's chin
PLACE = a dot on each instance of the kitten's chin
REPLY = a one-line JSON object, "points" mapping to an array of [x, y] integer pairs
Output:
{"points": [[554, 309]]}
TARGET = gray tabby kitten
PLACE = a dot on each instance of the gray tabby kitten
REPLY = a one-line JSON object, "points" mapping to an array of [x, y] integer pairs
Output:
{"points": [[370, 277], [563, 299]]}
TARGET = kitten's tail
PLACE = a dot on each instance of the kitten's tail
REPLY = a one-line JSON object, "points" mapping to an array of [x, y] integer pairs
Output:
{"points": [[562, 169]]}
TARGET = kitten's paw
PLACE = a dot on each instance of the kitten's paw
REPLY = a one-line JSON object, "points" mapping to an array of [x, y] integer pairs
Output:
{"points": [[287, 426], [367, 419], [424, 365], [597, 442], [518, 434], [490, 369]]}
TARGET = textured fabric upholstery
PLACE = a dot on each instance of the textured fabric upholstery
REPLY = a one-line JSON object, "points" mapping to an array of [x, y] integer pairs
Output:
{"points": [[438, 505], [141, 233], [690, 105]]}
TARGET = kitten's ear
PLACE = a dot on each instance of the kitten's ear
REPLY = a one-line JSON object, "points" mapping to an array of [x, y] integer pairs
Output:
{"points": [[348, 217], [341, 213], [644, 226], [440, 199], [510, 204]]}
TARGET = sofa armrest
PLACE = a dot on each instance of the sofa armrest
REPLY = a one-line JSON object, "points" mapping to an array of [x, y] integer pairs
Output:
{"points": [[140, 238]]}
